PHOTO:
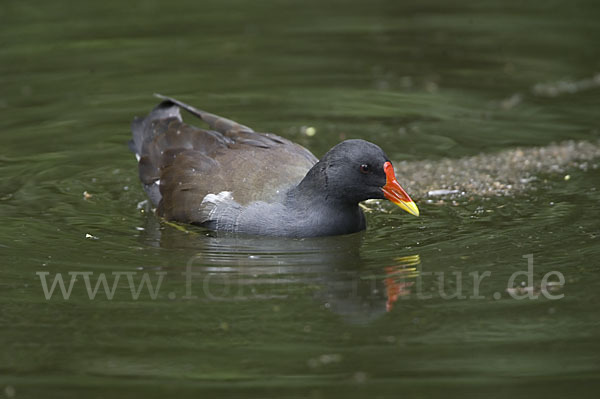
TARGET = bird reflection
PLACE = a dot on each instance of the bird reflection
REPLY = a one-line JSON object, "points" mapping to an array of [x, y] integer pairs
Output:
{"points": [[330, 269], [400, 278]]}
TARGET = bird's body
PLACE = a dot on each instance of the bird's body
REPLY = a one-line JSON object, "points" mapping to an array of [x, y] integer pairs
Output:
{"points": [[230, 178]]}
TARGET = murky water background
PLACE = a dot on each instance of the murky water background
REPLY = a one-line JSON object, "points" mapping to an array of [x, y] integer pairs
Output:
{"points": [[379, 314]]}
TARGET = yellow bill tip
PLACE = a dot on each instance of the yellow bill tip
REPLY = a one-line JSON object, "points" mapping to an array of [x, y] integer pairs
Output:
{"points": [[409, 207]]}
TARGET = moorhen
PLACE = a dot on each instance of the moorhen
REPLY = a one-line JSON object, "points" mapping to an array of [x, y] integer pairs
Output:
{"points": [[231, 178]]}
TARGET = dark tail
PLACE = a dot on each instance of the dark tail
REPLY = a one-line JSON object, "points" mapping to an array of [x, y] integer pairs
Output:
{"points": [[141, 127]]}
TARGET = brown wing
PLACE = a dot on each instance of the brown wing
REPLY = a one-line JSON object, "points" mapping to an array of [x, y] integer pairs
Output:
{"points": [[190, 163]]}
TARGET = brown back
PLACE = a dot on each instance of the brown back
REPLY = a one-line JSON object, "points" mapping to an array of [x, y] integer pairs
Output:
{"points": [[191, 162]]}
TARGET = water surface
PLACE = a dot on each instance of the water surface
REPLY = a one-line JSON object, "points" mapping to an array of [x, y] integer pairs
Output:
{"points": [[353, 316]]}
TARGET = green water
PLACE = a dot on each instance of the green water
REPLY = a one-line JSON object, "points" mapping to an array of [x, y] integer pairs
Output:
{"points": [[354, 316]]}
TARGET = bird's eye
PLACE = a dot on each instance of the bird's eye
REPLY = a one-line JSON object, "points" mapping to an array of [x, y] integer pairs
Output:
{"points": [[365, 168]]}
